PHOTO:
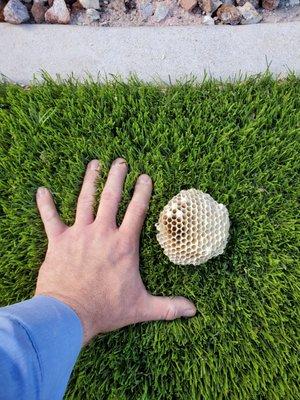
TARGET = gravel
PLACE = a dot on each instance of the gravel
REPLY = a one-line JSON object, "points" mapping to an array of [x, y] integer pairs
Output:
{"points": [[188, 5], [90, 4], [208, 20], [38, 11], [15, 12], [270, 4], [58, 13], [146, 9], [229, 14], [249, 14], [149, 12], [161, 12]]}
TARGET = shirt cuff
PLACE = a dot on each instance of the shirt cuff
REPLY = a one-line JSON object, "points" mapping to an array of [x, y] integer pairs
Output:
{"points": [[56, 334]]}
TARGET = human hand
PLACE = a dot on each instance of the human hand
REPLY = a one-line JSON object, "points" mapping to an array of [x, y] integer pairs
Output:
{"points": [[93, 265]]}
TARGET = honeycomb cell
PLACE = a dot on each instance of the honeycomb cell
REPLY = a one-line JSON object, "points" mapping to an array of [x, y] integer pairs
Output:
{"points": [[192, 228]]}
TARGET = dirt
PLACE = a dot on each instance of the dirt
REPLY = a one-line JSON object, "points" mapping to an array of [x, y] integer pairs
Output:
{"points": [[115, 14], [282, 14], [159, 12]]}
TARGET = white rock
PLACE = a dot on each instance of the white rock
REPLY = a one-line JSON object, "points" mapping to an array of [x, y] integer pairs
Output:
{"points": [[85, 17], [58, 13], [249, 14], [91, 15], [162, 12], [208, 20], [15, 12], [90, 4], [146, 9]]}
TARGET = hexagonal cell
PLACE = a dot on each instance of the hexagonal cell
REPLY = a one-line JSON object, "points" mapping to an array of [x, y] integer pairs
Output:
{"points": [[193, 227]]}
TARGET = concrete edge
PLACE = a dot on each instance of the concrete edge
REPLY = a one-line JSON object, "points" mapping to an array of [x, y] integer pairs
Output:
{"points": [[151, 53]]}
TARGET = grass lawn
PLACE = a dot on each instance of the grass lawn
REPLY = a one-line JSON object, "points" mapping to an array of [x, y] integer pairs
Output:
{"points": [[237, 141]]}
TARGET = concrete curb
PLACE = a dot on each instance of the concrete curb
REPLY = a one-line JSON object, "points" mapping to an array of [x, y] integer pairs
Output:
{"points": [[168, 53]]}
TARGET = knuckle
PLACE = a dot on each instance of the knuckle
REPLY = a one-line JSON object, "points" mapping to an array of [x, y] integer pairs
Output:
{"points": [[140, 208], [170, 313], [49, 215], [109, 196], [85, 199], [126, 247]]}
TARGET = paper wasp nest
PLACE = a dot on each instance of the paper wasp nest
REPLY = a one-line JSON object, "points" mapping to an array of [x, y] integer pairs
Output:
{"points": [[192, 228]]}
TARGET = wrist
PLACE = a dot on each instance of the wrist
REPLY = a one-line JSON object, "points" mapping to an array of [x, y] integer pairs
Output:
{"points": [[78, 309]]}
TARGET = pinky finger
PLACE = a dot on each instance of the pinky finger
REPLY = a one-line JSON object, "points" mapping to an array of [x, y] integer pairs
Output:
{"points": [[52, 223]]}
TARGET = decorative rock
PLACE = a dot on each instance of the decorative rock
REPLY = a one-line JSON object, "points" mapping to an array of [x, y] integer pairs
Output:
{"points": [[208, 20], [215, 5], [293, 3], [15, 12], [2, 5], [91, 15], [129, 5], [85, 17], [38, 11], [146, 9], [210, 6], [270, 4], [205, 6], [161, 13], [90, 4], [58, 13], [188, 5], [249, 14], [255, 3], [229, 14], [77, 6]]}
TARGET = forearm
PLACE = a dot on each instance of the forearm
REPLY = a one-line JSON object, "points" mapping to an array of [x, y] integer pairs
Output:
{"points": [[40, 340]]}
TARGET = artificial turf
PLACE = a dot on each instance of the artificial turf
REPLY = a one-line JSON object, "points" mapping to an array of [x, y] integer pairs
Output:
{"points": [[238, 141]]}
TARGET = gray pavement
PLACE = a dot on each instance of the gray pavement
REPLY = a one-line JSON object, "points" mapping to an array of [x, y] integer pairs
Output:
{"points": [[151, 53]]}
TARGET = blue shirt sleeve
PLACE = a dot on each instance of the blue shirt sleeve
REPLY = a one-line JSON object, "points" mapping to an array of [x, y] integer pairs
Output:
{"points": [[40, 340]]}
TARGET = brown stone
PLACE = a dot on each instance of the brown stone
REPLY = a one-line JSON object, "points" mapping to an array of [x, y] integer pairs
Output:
{"points": [[188, 5], [270, 4], [229, 14], [210, 6], [2, 5], [38, 11], [77, 6], [206, 6]]}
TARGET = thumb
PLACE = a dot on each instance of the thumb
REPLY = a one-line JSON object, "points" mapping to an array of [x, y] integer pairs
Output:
{"points": [[167, 308]]}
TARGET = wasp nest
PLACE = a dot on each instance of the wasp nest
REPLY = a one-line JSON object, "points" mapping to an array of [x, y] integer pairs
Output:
{"points": [[193, 228]]}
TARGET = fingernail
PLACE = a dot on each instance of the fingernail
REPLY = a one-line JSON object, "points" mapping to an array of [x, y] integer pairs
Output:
{"points": [[189, 312], [145, 179], [119, 161], [41, 191], [94, 165]]}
